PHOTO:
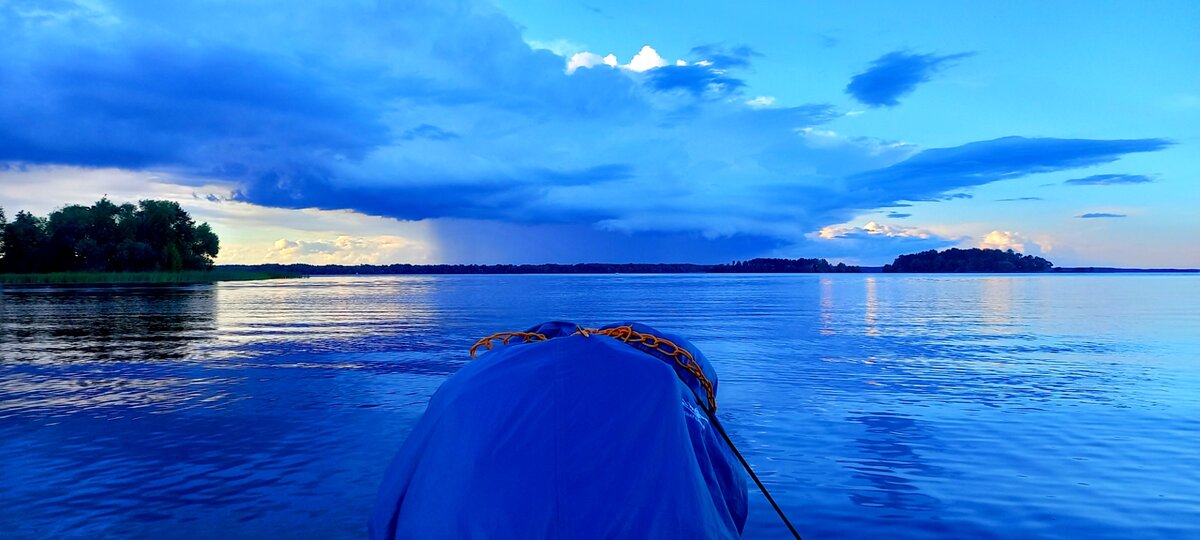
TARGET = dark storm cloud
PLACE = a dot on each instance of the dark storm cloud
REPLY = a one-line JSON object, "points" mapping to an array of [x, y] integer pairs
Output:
{"points": [[896, 74], [360, 106], [724, 57], [1110, 180], [935, 171]]}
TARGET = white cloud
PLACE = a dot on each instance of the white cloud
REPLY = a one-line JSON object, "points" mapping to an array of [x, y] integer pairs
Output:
{"points": [[873, 228], [871, 244], [1002, 240], [645, 60], [998, 239], [584, 60], [761, 101], [347, 250]]}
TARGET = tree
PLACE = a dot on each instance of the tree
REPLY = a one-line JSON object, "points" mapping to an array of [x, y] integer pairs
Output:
{"points": [[205, 247], [25, 243], [154, 235], [66, 229], [3, 223]]}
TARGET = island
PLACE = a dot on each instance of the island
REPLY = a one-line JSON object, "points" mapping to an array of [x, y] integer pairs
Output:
{"points": [[974, 260]]}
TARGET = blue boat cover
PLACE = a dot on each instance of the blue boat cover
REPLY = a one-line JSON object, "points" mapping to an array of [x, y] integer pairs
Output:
{"points": [[581, 437]]}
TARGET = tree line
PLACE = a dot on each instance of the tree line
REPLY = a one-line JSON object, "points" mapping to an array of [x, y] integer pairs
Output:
{"points": [[968, 260], [783, 266], [750, 266], [107, 237]]}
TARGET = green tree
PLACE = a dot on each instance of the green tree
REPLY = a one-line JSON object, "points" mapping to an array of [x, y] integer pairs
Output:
{"points": [[25, 242], [3, 223], [66, 230], [205, 247], [154, 235]]}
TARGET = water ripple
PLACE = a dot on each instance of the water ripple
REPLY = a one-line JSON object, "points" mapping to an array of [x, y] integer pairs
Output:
{"points": [[874, 406]]}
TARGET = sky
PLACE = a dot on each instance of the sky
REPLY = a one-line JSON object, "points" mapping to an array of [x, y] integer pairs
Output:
{"points": [[522, 131]]}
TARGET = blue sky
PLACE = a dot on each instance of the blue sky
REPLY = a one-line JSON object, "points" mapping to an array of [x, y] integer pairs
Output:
{"points": [[465, 131]]}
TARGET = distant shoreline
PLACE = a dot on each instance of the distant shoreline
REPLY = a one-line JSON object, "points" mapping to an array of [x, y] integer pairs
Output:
{"points": [[606, 268], [140, 278], [265, 272]]}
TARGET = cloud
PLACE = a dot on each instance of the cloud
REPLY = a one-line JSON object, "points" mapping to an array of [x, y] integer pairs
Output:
{"points": [[427, 131], [761, 101], [588, 59], [440, 113], [947, 197], [1017, 199], [475, 241], [896, 74], [1015, 241], [560, 47], [874, 243], [898, 215], [707, 76], [645, 60], [1091, 215], [1003, 240], [721, 57], [696, 79], [873, 229], [934, 172], [1109, 180], [347, 250]]}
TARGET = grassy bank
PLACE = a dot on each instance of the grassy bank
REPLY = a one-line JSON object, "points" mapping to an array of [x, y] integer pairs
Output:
{"points": [[199, 276]]}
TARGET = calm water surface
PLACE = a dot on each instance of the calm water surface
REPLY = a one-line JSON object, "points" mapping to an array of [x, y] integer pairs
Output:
{"points": [[874, 406]]}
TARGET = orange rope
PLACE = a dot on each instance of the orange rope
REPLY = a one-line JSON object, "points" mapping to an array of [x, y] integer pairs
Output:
{"points": [[680, 355], [627, 334], [505, 337]]}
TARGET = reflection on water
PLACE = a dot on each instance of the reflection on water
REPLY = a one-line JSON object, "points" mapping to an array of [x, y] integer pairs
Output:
{"points": [[887, 461], [996, 303], [870, 308], [874, 406], [827, 307]]}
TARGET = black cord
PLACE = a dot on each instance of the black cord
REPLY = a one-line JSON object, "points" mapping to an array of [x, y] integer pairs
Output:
{"points": [[721, 429]]}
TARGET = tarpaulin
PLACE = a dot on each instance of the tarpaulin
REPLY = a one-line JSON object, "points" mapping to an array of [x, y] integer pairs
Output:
{"points": [[581, 437]]}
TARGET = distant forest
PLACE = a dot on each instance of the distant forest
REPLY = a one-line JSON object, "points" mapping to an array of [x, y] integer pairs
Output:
{"points": [[750, 266], [968, 260], [107, 237], [160, 236]]}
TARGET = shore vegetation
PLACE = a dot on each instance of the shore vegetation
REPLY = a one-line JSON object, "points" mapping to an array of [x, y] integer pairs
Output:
{"points": [[131, 278]]}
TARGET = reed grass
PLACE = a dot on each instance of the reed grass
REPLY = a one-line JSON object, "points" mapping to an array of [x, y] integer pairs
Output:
{"points": [[194, 276]]}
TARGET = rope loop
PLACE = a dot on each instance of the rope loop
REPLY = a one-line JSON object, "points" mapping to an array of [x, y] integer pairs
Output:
{"points": [[505, 337]]}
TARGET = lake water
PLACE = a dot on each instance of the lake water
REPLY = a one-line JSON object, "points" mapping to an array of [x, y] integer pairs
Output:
{"points": [[873, 406]]}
